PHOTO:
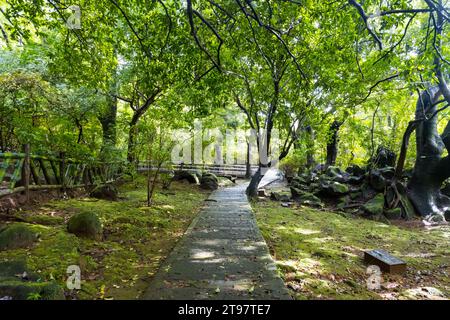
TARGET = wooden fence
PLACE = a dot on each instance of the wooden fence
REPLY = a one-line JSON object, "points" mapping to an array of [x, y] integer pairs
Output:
{"points": [[22, 172]]}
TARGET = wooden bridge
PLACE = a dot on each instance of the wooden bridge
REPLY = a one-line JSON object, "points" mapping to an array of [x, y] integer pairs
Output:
{"points": [[220, 170]]}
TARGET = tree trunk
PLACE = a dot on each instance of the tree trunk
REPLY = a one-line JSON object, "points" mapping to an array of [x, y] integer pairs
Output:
{"points": [[248, 168], [430, 169], [252, 189], [310, 161], [131, 153], [332, 144], [108, 122]]}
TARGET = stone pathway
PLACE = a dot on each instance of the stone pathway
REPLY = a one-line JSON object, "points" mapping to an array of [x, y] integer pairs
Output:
{"points": [[221, 256]]}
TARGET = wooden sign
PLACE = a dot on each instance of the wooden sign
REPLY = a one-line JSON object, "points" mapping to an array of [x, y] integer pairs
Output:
{"points": [[385, 261]]}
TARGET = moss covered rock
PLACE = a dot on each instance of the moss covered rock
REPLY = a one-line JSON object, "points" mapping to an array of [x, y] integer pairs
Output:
{"points": [[393, 214], [280, 196], [105, 192], [85, 225], [375, 206], [17, 235], [209, 181], [26, 290], [181, 175], [310, 200]]}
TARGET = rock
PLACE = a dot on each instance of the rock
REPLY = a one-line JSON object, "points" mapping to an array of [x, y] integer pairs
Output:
{"points": [[422, 293], [375, 206], [447, 215], [377, 181], [17, 283], [355, 195], [17, 235], [355, 179], [85, 225], [343, 202], [209, 181], [280, 196], [393, 214], [296, 192], [180, 175], [385, 157], [336, 174], [299, 182], [387, 172], [262, 193], [10, 269], [310, 200], [105, 192], [334, 189], [26, 290], [408, 210], [355, 170]]}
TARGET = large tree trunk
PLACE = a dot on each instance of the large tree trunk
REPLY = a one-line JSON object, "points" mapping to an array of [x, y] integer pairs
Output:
{"points": [[332, 144], [108, 122], [430, 169], [252, 189]]}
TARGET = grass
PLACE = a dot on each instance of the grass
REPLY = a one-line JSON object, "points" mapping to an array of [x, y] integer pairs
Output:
{"points": [[319, 254], [135, 241]]}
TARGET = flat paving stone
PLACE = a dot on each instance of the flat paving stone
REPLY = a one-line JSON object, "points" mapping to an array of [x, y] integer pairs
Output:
{"points": [[221, 256]]}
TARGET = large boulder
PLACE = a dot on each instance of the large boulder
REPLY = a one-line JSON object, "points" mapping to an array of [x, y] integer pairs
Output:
{"points": [[17, 235], [375, 206], [105, 192], [181, 175], [85, 225], [209, 181]]}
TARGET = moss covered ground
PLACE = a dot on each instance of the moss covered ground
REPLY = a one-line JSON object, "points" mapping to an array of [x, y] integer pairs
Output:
{"points": [[136, 239], [320, 254]]}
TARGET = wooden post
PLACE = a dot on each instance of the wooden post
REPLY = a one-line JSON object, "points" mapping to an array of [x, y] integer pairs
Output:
{"points": [[26, 171], [62, 171], [44, 171]]}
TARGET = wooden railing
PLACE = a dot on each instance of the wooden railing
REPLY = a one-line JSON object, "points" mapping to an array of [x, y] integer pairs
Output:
{"points": [[22, 172]]}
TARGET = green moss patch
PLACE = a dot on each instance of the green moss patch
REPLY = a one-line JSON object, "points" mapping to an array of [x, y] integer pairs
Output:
{"points": [[136, 238], [320, 254]]}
